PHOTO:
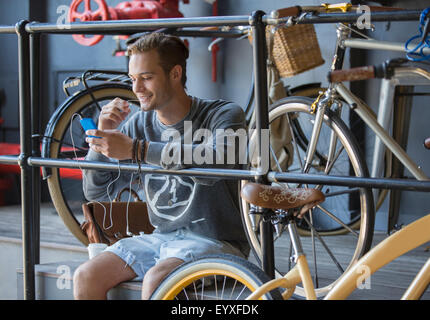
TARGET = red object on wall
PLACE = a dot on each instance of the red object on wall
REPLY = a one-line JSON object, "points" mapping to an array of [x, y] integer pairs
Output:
{"points": [[14, 149], [135, 9]]}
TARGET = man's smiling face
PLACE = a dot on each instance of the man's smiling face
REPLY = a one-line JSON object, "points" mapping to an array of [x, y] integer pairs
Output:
{"points": [[151, 84]]}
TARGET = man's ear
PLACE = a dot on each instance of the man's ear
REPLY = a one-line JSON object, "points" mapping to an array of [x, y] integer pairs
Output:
{"points": [[176, 73]]}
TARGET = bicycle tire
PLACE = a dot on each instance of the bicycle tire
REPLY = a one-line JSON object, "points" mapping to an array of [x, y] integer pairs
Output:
{"points": [[364, 221], [191, 279], [54, 136]]}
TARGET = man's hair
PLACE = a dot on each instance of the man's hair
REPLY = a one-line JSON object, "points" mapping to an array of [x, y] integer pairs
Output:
{"points": [[171, 50]]}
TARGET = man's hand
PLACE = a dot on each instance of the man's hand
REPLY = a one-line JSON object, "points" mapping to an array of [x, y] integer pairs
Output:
{"points": [[113, 114], [112, 143]]}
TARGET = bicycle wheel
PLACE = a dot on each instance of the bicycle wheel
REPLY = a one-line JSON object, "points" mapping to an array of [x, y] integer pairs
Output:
{"points": [[343, 224], [64, 138], [215, 277]]}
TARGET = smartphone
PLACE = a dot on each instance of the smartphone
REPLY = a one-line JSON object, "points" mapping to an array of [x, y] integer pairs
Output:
{"points": [[88, 124]]}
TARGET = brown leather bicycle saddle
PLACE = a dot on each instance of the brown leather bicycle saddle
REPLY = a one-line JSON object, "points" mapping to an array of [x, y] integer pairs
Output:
{"points": [[276, 197]]}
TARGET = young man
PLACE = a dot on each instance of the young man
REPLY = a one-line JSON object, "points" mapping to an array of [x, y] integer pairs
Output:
{"points": [[193, 217]]}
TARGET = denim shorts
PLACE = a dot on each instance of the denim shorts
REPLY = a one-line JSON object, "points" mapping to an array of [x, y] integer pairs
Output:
{"points": [[143, 251]]}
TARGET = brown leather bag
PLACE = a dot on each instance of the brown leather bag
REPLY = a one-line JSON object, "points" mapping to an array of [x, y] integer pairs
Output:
{"points": [[105, 225]]}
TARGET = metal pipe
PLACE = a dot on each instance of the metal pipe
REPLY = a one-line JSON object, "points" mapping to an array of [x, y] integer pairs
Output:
{"points": [[35, 144], [347, 181], [259, 53], [272, 176], [139, 25], [9, 159], [369, 44], [126, 167], [7, 29], [258, 28], [132, 26], [26, 170], [335, 17]]}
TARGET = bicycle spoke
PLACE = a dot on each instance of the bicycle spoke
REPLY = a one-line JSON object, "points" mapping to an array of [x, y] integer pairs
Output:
{"points": [[195, 290], [332, 216], [314, 254], [325, 246], [232, 290], [330, 165], [223, 287], [337, 193], [216, 287], [243, 289], [185, 292], [275, 158]]}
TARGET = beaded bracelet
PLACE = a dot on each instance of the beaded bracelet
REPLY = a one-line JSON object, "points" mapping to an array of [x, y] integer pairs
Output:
{"points": [[142, 150], [134, 149], [139, 161]]}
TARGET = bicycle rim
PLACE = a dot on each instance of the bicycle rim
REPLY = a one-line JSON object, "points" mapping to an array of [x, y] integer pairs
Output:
{"points": [[63, 191], [218, 277], [329, 230]]}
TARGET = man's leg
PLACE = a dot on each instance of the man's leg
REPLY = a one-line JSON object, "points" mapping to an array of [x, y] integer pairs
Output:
{"points": [[156, 274], [94, 278]]}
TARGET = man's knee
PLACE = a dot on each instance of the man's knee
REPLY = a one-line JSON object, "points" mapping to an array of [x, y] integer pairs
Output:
{"points": [[94, 278], [156, 274], [83, 279]]}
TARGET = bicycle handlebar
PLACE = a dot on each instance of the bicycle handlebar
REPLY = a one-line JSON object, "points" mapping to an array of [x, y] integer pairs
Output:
{"points": [[383, 70], [353, 74], [340, 7], [288, 12]]}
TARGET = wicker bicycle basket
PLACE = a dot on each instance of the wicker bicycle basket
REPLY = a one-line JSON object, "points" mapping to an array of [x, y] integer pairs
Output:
{"points": [[295, 49]]}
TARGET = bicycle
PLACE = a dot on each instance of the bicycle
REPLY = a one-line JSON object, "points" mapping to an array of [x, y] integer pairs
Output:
{"points": [[327, 107], [387, 71]]}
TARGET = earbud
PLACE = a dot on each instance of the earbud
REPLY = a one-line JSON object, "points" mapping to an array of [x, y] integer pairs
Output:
{"points": [[128, 232]]}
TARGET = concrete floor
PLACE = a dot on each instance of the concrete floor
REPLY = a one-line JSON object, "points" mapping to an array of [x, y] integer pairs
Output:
{"points": [[57, 244]]}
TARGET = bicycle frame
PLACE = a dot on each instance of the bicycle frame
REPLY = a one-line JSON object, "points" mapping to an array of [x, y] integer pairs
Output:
{"points": [[399, 243], [402, 76], [364, 112], [300, 272]]}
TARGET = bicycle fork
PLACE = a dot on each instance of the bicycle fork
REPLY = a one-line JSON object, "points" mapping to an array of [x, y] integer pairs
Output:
{"points": [[320, 107]]}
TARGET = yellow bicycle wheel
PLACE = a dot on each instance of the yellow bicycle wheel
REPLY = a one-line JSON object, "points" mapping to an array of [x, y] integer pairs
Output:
{"points": [[216, 277]]}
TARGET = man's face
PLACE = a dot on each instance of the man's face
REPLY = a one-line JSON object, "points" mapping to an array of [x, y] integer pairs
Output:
{"points": [[150, 83]]}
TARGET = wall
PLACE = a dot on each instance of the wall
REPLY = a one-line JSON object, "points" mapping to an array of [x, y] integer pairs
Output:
{"points": [[63, 56]]}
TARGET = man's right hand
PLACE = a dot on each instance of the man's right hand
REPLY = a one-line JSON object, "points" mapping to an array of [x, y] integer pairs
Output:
{"points": [[113, 114]]}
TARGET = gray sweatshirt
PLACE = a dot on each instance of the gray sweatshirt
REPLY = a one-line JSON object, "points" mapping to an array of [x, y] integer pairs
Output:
{"points": [[206, 206]]}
